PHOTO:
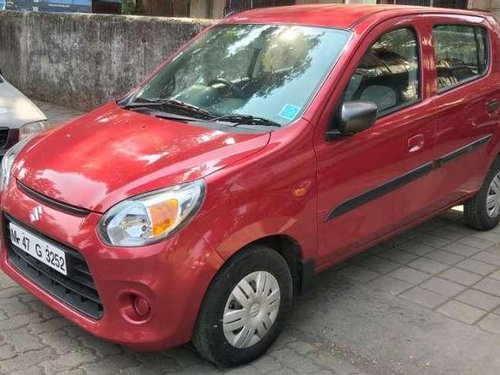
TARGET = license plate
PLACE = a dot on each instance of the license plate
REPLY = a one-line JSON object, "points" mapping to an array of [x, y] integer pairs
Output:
{"points": [[39, 249]]}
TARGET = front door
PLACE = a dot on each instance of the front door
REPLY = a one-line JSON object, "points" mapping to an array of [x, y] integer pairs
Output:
{"points": [[371, 183]]}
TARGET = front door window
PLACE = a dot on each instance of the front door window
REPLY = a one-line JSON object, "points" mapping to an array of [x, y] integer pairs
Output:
{"points": [[388, 74]]}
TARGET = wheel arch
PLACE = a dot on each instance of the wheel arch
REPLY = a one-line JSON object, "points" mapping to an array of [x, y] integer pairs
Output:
{"points": [[302, 270]]}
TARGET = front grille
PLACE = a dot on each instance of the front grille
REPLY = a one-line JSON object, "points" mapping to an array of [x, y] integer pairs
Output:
{"points": [[58, 205], [76, 290]]}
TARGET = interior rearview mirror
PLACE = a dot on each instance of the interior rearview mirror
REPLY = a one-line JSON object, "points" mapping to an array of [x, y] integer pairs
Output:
{"points": [[354, 117]]}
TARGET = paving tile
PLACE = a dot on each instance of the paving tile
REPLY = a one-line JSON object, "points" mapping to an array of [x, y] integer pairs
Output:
{"points": [[424, 297], [489, 235], [488, 285], [445, 257], [479, 299], [411, 233], [389, 285], [398, 240], [491, 323], [494, 250], [430, 240], [425, 227], [397, 256], [461, 249], [358, 273], [461, 311], [476, 266], [460, 276], [379, 264], [442, 286], [415, 248], [449, 233], [433, 224], [409, 275], [376, 249], [476, 242], [428, 265], [495, 275], [487, 257], [359, 257], [455, 213]]}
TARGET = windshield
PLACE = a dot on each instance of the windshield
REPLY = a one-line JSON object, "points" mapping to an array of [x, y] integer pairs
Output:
{"points": [[264, 71]]}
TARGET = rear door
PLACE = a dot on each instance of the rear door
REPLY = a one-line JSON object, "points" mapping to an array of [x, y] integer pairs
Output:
{"points": [[467, 100], [372, 183]]}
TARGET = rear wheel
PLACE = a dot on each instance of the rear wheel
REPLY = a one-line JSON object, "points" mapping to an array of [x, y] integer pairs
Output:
{"points": [[482, 212], [244, 309]]}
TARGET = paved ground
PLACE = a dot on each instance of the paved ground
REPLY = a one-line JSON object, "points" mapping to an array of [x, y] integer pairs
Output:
{"points": [[426, 302]]}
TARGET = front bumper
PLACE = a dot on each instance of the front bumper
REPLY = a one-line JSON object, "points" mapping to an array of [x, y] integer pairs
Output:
{"points": [[172, 276]]}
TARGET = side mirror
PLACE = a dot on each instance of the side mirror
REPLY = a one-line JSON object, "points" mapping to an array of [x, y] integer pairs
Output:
{"points": [[354, 117]]}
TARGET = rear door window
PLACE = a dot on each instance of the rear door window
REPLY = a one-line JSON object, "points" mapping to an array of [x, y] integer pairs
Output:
{"points": [[461, 54]]}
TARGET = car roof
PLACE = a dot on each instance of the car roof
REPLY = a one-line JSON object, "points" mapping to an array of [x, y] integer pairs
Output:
{"points": [[335, 15]]}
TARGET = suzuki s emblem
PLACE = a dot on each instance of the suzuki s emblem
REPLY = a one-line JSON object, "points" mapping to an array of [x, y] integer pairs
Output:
{"points": [[36, 214]]}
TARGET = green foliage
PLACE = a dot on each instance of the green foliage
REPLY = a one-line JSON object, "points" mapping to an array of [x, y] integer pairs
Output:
{"points": [[130, 7]]}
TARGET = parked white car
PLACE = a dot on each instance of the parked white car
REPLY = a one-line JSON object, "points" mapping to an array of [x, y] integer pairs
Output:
{"points": [[19, 117]]}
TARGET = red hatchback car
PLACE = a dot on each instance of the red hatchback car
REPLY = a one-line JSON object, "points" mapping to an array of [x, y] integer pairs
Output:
{"points": [[275, 144]]}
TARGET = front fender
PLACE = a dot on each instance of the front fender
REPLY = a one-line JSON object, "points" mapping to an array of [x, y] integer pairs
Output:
{"points": [[274, 192]]}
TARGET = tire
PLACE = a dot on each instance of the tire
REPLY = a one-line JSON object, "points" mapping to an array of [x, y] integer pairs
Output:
{"points": [[239, 346], [478, 212]]}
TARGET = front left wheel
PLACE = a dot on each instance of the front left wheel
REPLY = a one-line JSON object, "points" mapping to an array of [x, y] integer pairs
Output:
{"points": [[244, 308]]}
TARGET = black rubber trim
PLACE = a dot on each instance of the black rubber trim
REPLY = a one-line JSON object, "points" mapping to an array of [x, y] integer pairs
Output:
{"points": [[379, 191], [462, 151], [400, 181], [307, 272], [64, 207]]}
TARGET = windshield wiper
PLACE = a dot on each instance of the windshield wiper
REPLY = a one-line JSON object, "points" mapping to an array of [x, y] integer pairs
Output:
{"points": [[247, 120], [165, 115], [173, 103], [190, 109]]}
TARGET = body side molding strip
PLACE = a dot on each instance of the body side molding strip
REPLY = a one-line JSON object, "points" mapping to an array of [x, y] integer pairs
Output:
{"points": [[462, 151], [404, 179], [379, 191]]}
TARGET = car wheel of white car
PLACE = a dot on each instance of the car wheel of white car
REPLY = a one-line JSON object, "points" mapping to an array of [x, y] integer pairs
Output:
{"points": [[244, 309]]}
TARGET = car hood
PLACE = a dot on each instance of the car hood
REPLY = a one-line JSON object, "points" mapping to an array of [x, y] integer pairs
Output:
{"points": [[15, 109], [112, 154]]}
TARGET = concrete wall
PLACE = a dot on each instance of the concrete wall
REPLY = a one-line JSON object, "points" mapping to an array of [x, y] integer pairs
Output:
{"points": [[491, 5], [83, 61]]}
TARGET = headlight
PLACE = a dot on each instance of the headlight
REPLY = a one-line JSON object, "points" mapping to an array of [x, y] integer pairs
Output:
{"points": [[151, 217], [31, 129], [8, 162]]}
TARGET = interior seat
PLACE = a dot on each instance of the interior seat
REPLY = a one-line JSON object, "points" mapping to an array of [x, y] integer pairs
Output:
{"points": [[383, 96]]}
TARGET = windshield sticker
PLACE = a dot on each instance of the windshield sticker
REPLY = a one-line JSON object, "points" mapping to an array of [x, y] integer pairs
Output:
{"points": [[289, 112]]}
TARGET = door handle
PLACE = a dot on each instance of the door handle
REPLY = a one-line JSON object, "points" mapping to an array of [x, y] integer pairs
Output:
{"points": [[493, 106], [416, 143]]}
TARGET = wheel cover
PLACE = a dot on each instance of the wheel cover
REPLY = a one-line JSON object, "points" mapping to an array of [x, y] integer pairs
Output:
{"points": [[493, 197], [251, 309]]}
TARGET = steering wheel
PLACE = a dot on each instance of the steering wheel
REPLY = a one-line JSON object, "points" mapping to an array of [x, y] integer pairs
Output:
{"points": [[235, 90]]}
